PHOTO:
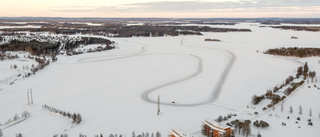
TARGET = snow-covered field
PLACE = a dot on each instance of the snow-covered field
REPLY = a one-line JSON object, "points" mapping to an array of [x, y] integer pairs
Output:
{"points": [[115, 91]]}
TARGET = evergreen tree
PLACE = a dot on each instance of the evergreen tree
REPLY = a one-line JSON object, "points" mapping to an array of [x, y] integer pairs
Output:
{"points": [[299, 72], [305, 70], [152, 135], [133, 134], [310, 112]]}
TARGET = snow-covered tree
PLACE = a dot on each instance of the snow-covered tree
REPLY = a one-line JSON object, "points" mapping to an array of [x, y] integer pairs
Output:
{"points": [[281, 107], [25, 114], [310, 112], [1, 133], [300, 110], [290, 109], [19, 135], [111, 135], [158, 134], [133, 134], [273, 107], [152, 135], [79, 118]]}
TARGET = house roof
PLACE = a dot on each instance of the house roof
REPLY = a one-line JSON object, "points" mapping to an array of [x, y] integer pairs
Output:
{"points": [[179, 133], [215, 125]]}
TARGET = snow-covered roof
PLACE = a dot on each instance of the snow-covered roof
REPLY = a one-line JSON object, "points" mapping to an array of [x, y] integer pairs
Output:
{"points": [[215, 125], [179, 133]]}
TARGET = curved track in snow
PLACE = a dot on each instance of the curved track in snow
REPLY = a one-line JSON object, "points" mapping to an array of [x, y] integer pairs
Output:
{"points": [[145, 95], [214, 93]]}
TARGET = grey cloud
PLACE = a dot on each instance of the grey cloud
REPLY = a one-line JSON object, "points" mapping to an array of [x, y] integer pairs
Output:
{"points": [[200, 6]]}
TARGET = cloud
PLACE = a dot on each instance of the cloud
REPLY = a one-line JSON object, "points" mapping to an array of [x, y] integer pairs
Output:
{"points": [[203, 6]]}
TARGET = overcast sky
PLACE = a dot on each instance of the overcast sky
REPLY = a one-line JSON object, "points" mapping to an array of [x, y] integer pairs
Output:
{"points": [[161, 8]]}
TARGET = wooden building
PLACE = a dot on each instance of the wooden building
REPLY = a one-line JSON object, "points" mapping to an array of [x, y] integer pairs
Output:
{"points": [[178, 133], [215, 129]]}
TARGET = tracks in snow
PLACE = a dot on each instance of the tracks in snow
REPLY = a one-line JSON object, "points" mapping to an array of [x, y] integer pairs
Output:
{"points": [[145, 95]]}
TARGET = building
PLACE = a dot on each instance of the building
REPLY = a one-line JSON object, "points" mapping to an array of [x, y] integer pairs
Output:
{"points": [[178, 133], [215, 129]]}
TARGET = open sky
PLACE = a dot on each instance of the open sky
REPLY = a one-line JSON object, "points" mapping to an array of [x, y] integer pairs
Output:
{"points": [[161, 8]]}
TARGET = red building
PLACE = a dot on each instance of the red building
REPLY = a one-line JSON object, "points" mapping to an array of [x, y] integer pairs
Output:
{"points": [[215, 129]]}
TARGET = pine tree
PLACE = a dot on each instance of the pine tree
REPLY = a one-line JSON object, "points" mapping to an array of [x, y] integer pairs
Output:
{"points": [[1, 133], [290, 109], [300, 110], [310, 112], [152, 135], [133, 134]]}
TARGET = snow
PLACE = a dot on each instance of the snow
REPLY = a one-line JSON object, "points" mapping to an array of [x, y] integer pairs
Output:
{"points": [[106, 87], [11, 27]]}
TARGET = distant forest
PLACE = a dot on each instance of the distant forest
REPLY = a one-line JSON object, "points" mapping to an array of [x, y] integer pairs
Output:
{"points": [[294, 52], [36, 47], [122, 30], [298, 28]]}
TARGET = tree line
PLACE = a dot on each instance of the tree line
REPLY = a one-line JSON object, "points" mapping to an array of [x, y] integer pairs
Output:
{"points": [[275, 98], [294, 52], [76, 117], [122, 30]]}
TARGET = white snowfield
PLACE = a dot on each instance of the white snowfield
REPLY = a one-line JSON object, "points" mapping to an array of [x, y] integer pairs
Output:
{"points": [[116, 91]]}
